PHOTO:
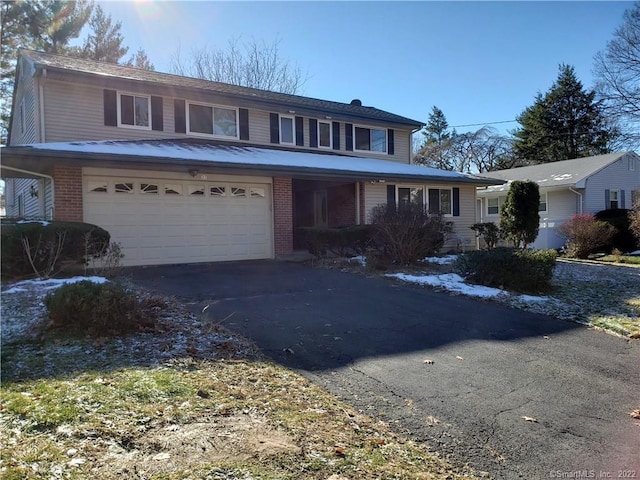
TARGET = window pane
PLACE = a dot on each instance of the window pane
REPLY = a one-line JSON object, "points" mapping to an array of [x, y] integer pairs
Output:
{"points": [[142, 111], [434, 201], [201, 119], [492, 206], [150, 188], [100, 187], [378, 140], [286, 130], [174, 189], [445, 202], [237, 192], [126, 109], [196, 189], [324, 134], [217, 191], [363, 139], [404, 196], [417, 196], [257, 192], [225, 122], [124, 187]]}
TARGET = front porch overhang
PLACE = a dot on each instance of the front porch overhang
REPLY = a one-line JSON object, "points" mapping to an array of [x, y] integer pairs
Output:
{"points": [[223, 157]]}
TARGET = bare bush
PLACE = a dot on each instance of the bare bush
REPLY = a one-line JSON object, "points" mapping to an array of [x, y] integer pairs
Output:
{"points": [[585, 234]]}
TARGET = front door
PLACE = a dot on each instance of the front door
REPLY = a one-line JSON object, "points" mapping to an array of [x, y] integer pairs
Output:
{"points": [[320, 208]]}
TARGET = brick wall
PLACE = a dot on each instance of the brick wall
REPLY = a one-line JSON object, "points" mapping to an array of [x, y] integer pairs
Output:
{"points": [[67, 193], [363, 219], [282, 215]]}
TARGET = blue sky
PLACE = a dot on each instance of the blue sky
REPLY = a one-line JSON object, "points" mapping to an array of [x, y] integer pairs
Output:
{"points": [[477, 61]]}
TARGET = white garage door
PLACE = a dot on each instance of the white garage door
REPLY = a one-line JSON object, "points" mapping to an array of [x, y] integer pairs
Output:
{"points": [[174, 221]]}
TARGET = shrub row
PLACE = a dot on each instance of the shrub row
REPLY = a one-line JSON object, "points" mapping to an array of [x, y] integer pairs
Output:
{"points": [[51, 244], [99, 309], [526, 271], [341, 241]]}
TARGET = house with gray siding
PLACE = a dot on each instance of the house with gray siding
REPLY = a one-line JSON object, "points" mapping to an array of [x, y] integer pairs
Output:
{"points": [[569, 187], [180, 169]]}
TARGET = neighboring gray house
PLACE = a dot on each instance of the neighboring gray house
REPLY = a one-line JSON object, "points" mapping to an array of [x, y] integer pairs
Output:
{"points": [[582, 185], [184, 170]]}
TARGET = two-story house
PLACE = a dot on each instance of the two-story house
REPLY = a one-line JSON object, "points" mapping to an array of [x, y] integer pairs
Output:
{"points": [[186, 170]]}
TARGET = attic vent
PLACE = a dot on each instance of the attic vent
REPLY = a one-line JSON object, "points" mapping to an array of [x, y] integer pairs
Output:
{"points": [[356, 102]]}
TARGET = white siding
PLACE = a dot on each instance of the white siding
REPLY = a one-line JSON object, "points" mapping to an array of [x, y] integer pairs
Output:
{"points": [[26, 102], [76, 112], [32, 205], [614, 176], [462, 236]]}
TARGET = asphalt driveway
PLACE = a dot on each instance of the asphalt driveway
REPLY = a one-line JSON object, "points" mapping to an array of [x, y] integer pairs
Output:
{"points": [[510, 393]]}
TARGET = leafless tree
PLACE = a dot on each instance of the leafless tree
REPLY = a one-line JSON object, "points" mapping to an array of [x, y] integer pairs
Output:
{"points": [[249, 64], [483, 150], [617, 71]]}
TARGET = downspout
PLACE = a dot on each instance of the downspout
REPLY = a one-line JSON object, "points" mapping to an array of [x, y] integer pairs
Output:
{"points": [[41, 175], [41, 90], [580, 198], [357, 203]]}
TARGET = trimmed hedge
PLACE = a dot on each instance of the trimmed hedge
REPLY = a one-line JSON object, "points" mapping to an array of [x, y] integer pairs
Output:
{"points": [[99, 309], [43, 238], [341, 241], [525, 271]]}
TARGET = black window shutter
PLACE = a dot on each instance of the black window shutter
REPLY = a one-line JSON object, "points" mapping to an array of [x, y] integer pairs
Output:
{"points": [[110, 108], [335, 126], [390, 143], [621, 202], [300, 131], [274, 127], [313, 132], [391, 196], [348, 137], [607, 199], [456, 202], [157, 117], [243, 120], [179, 113]]}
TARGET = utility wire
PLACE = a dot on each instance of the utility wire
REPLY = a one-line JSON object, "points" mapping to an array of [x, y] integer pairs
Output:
{"points": [[484, 123]]}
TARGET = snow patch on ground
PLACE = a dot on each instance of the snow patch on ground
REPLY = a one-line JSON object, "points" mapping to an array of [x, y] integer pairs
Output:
{"points": [[41, 222], [50, 283], [446, 260], [360, 259]]}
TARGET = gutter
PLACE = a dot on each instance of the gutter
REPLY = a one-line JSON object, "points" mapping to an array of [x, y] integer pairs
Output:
{"points": [[579, 196], [41, 175]]}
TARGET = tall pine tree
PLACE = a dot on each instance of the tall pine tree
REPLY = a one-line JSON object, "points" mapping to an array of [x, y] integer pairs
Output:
{"points": [[564, 123], [104, 42]]}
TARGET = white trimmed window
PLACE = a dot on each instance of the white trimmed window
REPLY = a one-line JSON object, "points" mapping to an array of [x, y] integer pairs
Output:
{"points": [[614, 199], [408, 195], [370, 139], [632, 164], [287, 130], [210, 120], [542, 206], [134, 111], [440, 200], [325, 139], [494, 204]]}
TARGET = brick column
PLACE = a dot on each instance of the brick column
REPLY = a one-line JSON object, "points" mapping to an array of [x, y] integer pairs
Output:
{"points": [[282, 215], [67, 193], [363, 214]]}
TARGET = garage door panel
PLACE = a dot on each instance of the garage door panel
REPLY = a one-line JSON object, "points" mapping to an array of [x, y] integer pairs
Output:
{"points": [[161, 228]]}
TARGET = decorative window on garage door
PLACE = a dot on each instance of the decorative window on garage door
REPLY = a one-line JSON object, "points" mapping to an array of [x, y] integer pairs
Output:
{"points": [[197, 190], [256, 192], [149, 188], [97, 187], [238, 192], [218, 191], [173, 189], [124, 187]]}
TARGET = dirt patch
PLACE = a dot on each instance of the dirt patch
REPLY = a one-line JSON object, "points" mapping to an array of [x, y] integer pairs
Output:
{"points": [[189, 446]]}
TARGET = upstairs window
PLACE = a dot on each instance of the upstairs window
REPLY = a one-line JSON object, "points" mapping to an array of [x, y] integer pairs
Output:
{"points": [[370, 139], [287, 130], [212, 121], [324, 135], [133, 111]]}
